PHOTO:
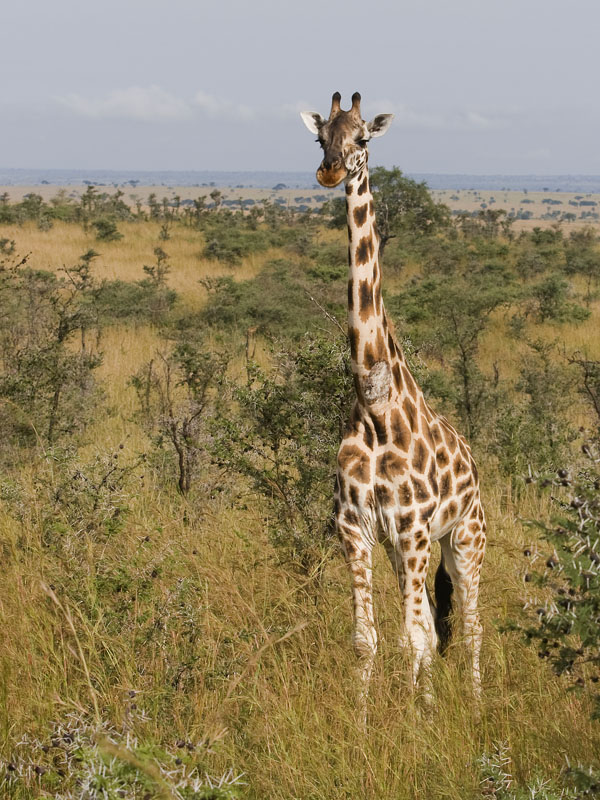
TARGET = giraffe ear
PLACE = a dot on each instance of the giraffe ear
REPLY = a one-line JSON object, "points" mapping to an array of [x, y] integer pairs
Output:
{"points": [[313, 121], [379, 124]]}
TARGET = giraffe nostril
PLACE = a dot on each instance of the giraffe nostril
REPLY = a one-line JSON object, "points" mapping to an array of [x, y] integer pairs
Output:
{"points": [[330, 162]]}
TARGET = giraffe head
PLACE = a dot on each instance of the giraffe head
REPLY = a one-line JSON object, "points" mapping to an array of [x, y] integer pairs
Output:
{"points": [[344, 138]]}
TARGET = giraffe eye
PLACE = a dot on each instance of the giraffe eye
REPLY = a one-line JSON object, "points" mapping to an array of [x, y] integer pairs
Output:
{"points": [[363, 142]]}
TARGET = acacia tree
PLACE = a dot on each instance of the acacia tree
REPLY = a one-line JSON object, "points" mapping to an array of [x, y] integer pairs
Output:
{"points": [[448, 316], [402, 203]]}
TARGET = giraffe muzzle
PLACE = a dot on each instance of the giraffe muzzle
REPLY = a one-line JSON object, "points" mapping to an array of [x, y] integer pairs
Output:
{"points": [[331, 174]]}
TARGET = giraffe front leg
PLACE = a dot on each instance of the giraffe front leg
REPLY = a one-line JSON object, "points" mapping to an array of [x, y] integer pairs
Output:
{"points": [[410, 560], [358, 553]]}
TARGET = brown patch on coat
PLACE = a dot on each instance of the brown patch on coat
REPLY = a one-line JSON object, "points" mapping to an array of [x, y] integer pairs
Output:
{"points": [[377, 296], [459, 466], [420, 456], [383, 496], [409, 382], [364, 250], [442, 458], [364, 187], [365, 300], [450, 437], [380, 429], [427, 512], [466, 500], [355, 462], [405, 494], [381, 350], [397, 378], [411, 414], [432, 475], [420, 489], [400, 432], [445, 485], [464, 484], [350, 294], [353, 339], [369, 359], [404, 522], [360, 215], [412, 563], [351, 517], [389, 465]]}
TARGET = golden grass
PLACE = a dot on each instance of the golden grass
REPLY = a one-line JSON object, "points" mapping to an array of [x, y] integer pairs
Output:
{"points": [[206, 592], [124, 259]]}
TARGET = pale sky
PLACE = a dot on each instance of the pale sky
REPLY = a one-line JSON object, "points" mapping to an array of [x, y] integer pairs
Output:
{"points": [[477, 86]]}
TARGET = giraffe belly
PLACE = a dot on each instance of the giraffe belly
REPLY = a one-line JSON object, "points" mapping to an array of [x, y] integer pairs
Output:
{"points": [[448, 515]]}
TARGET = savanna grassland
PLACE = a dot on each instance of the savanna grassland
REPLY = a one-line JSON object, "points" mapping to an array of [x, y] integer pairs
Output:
{"points": [[175, 611]]}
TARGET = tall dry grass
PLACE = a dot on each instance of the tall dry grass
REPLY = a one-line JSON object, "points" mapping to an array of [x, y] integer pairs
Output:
{"points": [[226, 647]]}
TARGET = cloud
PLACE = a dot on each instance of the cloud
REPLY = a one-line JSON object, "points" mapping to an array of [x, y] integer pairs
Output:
{"points": [[216, 107], [152, 104], [147, 104], [454, 120]]}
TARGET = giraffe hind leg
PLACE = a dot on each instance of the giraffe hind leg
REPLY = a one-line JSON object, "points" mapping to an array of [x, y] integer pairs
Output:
{"points": [[462, 553]]}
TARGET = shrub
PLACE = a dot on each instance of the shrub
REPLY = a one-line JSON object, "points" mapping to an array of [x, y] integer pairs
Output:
{"points": [[178, 394], [46, 379], [275, 302], [106, 230], [566, 616], [284, 437]]}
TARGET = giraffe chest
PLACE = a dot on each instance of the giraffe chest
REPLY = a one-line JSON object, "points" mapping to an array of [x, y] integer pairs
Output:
{"points": [[400, 475]]}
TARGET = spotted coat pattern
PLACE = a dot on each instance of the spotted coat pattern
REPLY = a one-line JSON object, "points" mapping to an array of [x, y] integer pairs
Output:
{"points": [[405, 477]]}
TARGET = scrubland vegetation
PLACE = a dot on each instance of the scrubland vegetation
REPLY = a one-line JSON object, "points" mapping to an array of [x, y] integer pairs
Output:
{"points": [[176, 615]]}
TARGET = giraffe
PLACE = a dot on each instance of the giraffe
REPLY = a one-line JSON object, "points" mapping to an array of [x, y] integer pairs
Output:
{"points": [[405, 478]]}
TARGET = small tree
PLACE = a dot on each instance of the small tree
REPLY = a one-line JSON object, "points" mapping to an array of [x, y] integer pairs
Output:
{"points": [[402, 203], [178, 393], [46, 375], [106, 230]]}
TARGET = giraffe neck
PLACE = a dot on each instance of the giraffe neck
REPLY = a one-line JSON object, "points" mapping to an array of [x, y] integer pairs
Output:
{"points": [[372, 344]]}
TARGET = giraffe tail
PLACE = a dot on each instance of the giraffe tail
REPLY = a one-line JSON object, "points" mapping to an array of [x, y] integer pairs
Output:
{"points": [[443, 601]]}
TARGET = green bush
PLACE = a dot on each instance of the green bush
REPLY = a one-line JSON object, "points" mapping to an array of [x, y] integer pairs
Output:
{"points": [[46, 363], [275, 302], [566, 616], [283, 434], [118, 301], [106, 230]]}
